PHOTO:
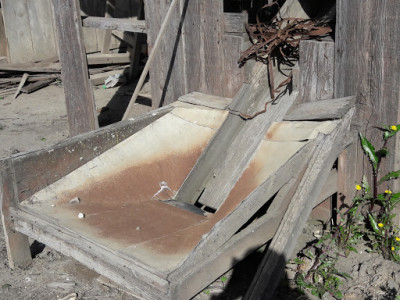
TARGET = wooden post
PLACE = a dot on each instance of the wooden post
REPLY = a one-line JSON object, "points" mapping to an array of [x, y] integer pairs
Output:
{"points": [[75, 76], [367, 65], [18, 248]]}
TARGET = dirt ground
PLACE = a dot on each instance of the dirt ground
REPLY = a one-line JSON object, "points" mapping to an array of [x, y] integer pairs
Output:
{"points": [[39, 119]]}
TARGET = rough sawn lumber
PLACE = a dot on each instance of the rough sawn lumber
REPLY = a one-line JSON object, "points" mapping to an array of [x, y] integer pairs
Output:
{"points": [[282, 245]]}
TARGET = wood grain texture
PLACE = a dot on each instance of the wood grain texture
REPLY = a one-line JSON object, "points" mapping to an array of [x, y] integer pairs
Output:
{"points": [[234, 22], [17, 244], [167, 71], [316, 65], [242, 244], [17, 26], [3, 37], [206, 100], [132, 275], [331, 109], [283, 243], [35, 170], [75, 76], [131, 25], [41, 29], [226, 228], [366, 49]]}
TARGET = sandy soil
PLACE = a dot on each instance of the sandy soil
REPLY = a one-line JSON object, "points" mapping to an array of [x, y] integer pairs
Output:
{"points": [[39, 119]]}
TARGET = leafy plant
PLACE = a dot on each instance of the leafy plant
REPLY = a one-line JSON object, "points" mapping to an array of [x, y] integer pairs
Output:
{"points": [[369, 220]]}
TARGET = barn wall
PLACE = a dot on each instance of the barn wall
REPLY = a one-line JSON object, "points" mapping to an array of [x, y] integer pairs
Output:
{"points": [[30, 30]]}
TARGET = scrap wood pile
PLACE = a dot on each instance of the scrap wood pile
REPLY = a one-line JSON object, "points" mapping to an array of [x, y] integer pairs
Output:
{"points": [[279, 39], [28, 77]]}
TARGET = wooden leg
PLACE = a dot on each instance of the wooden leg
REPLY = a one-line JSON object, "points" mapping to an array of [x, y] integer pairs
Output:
{"points": [[18, 248]]}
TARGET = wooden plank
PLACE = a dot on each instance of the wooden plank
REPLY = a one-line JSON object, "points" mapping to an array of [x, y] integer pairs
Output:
{"points": [[3, 37], [228, 226], [237, 248], [128, 273], [211, 101], [316, 63], [17, 244], [233, 76], [75, 76], [249, 100], [283, 243], [30, 88], [41, 29], [234, 22], [167, 72], [21, 84], [330, 187], [321, 110], [111, 58], [238, 155], [366, 46], [16, 22], [38, 67], [36, 170], [131, 25]]}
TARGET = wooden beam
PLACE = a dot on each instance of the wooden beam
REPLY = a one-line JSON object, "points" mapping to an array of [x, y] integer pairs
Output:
{"points": [[282, 245], [107, 59], [332, 109], [206, 100], [316, 63], [366, 49], [17, 244], [75, 76], [228, 226], [131, 25]]}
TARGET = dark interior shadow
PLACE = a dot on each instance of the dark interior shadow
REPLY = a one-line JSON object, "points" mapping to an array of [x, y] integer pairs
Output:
{"points": [[123, 9], [242, 275]]}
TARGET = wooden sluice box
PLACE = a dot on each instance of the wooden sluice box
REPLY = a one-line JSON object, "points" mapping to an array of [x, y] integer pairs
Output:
{"points": [[112, 199]]}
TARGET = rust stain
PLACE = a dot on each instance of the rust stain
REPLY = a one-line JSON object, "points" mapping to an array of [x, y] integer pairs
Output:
{"points": [[120, 206]]}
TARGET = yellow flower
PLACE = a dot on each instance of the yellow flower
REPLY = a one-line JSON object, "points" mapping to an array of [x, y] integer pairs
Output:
{"points": [[380, 225], [388, 192], [397, 239], [393, 127], [392, 248], [358, 187]]}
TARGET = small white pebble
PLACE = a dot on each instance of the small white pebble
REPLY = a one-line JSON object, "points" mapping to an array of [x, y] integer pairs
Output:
{"points": [[81, 215], [138, 228], [80, 158], [53, 205], [154, 114]]}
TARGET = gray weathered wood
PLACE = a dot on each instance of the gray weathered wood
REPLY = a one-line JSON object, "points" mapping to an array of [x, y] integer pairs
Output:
{"points": [[17, 244], [237, 248], [366, 49], [110, 58], [225, 228], [35, 170], [238, 155], [131, 25], [155, 52], [77, 87], [167, 73], [316, 63], [234, 22], [331, 109], [282, 245], [41, 29], [3, 38], [21, 84], [16, 23], [206, 100], [36, 85], [137, 278]]}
